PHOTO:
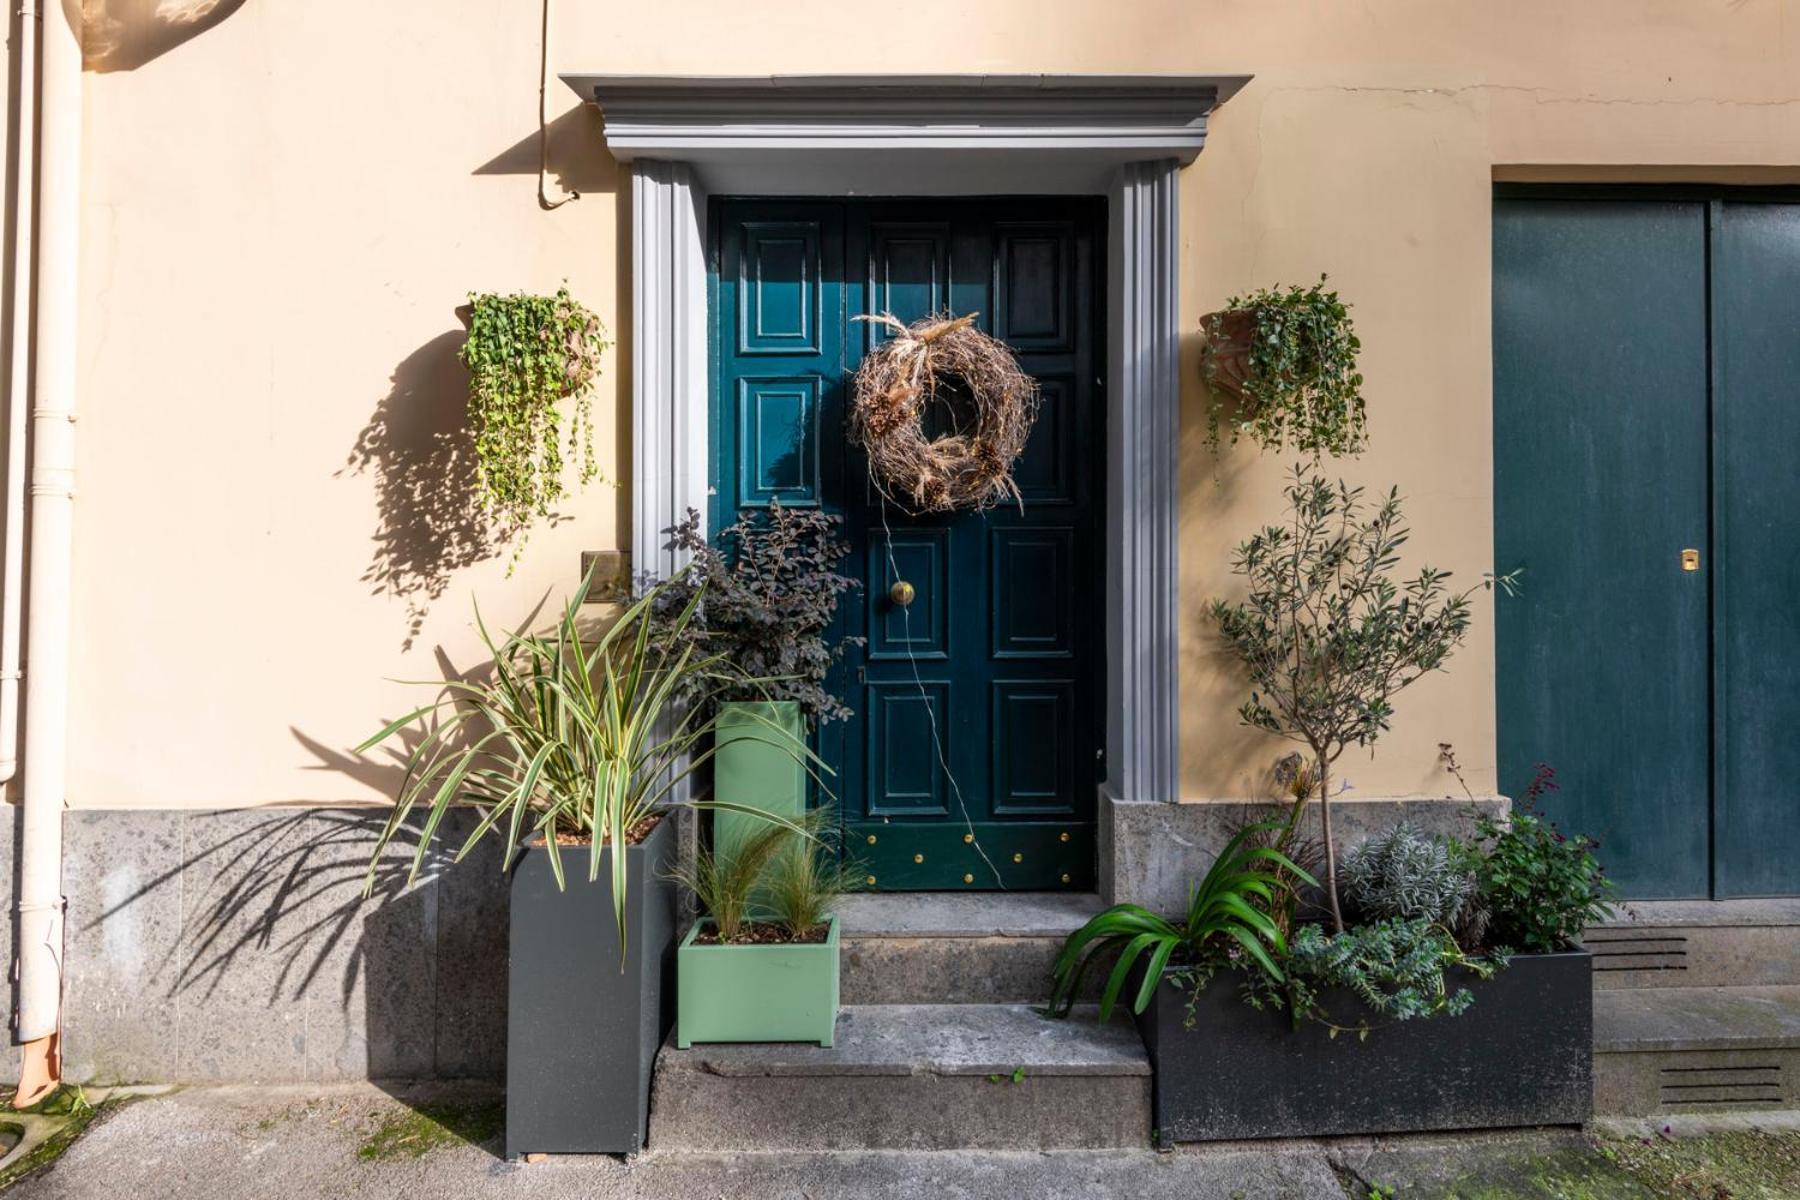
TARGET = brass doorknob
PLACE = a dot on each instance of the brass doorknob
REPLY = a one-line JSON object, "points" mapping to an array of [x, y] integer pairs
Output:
{"points": [[902, 593]]}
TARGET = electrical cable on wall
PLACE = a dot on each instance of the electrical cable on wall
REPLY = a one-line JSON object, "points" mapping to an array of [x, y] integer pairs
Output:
{"points": [[544, 200]]}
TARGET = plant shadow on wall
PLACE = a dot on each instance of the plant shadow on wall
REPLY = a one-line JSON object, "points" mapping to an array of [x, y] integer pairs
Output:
{"points": [[457, 479], [421, 452], [276, 963], [123, 35]]}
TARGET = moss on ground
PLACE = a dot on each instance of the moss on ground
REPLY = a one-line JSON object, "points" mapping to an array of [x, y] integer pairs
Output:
{"points": [[1742, 1165], [1719, 1166], [414, 1131], [67, 1106]]}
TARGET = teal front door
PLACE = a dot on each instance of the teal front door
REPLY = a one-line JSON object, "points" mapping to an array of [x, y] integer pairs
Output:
{"points": [[974, 754], [1646, 425]]}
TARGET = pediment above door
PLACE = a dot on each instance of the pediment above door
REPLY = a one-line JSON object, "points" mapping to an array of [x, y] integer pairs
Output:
{"points": [[909, 133]]}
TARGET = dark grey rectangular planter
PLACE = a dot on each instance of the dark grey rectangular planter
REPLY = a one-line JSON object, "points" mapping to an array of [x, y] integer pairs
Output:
{"points": [[581, 1037], [1522, 1054]]}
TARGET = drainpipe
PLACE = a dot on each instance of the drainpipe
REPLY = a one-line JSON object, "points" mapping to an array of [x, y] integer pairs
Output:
{"points": [[52, 527], [18, 390]]}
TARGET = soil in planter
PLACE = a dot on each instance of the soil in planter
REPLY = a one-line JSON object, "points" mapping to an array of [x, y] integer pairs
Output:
{"points": [[765, 935], [633, 836]]}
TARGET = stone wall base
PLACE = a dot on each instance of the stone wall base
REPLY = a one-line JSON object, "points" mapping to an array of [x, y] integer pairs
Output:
{"points": [[237, 945], [1151, 853]]}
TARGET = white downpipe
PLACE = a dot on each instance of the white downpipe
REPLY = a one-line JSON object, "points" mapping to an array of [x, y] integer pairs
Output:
{"points": [[18, 393], [52, 526]]}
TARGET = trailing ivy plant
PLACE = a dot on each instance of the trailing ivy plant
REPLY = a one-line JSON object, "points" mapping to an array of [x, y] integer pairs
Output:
{"points": [[526, 355], [1328, 635], [1285, 360]]}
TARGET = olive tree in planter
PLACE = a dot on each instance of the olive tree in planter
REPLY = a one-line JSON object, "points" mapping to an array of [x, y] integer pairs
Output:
{"points": [[1449, 1029], [1327, 634], [1281, 366], [764, 596], [571, 748]]}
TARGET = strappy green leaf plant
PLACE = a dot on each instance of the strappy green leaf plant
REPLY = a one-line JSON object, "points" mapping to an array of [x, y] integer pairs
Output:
{"points": [[572, 735], [1231, 905]]}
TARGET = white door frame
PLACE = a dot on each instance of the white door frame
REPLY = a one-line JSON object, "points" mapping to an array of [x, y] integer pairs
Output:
{"points": [[1125, 138]]}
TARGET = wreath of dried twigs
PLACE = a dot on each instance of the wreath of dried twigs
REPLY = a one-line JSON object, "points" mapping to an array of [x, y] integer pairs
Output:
{"points": [[970, 467]]}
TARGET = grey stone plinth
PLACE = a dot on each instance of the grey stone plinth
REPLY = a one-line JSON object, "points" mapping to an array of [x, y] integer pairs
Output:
{"points": [[1681, 1050], [1151, 852], [913, 1077], [239, 946]]}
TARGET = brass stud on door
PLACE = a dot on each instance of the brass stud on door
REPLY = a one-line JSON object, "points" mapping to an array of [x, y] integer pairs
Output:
{"points": [[871, 839], [968, 838], [1018, 858], [870, 881], [968, 879], [918, 858], [1063, 837], [1065, 879]]}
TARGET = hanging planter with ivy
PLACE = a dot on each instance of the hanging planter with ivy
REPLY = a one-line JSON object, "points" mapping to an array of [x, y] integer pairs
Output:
{"points": [[526, 356], [1281, 366]]}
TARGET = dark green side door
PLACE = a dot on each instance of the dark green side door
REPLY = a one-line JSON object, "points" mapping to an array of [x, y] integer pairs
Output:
{"points": [[972, 760], [1646, 414]]}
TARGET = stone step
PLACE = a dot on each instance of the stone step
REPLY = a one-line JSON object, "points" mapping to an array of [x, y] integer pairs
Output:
{"points": [[1698, 943], [955, 948], [1696, 1049], [913, 1077]]}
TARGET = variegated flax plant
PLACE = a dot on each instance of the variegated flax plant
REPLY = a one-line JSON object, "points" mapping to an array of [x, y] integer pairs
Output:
{"points": [[573, 735]]}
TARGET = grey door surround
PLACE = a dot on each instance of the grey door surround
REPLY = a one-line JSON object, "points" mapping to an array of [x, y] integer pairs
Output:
{"points": [[1123, 137]]}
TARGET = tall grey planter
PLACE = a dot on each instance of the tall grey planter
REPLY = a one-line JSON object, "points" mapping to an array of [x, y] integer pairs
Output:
{"points": [[582, 1036]]}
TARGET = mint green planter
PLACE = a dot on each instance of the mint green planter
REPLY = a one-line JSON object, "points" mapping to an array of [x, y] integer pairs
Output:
{"points": [[756, 993], [755, 769]]}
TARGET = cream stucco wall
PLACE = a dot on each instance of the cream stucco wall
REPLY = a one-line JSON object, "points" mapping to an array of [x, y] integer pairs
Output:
{"points": [[283, 209]]}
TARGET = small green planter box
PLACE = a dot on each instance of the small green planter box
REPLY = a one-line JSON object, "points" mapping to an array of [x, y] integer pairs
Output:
{"points": [[756, 993]]}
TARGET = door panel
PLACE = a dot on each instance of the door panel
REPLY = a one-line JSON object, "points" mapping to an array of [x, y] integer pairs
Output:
{"points": [[972, 758], [1755, 568], [1600, 480]]}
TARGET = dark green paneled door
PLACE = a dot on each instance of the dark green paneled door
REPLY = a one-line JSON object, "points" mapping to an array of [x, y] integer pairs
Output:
{"points": [[973, 757], [1756, 546], [1646, 415]]}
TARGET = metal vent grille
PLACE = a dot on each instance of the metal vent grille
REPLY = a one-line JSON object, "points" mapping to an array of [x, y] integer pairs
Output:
{"points": [[1721, 1087], [1630, 950]]}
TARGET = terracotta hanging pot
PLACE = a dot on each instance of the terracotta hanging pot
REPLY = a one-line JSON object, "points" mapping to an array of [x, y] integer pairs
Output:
{"points": [[1228, 338]]}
